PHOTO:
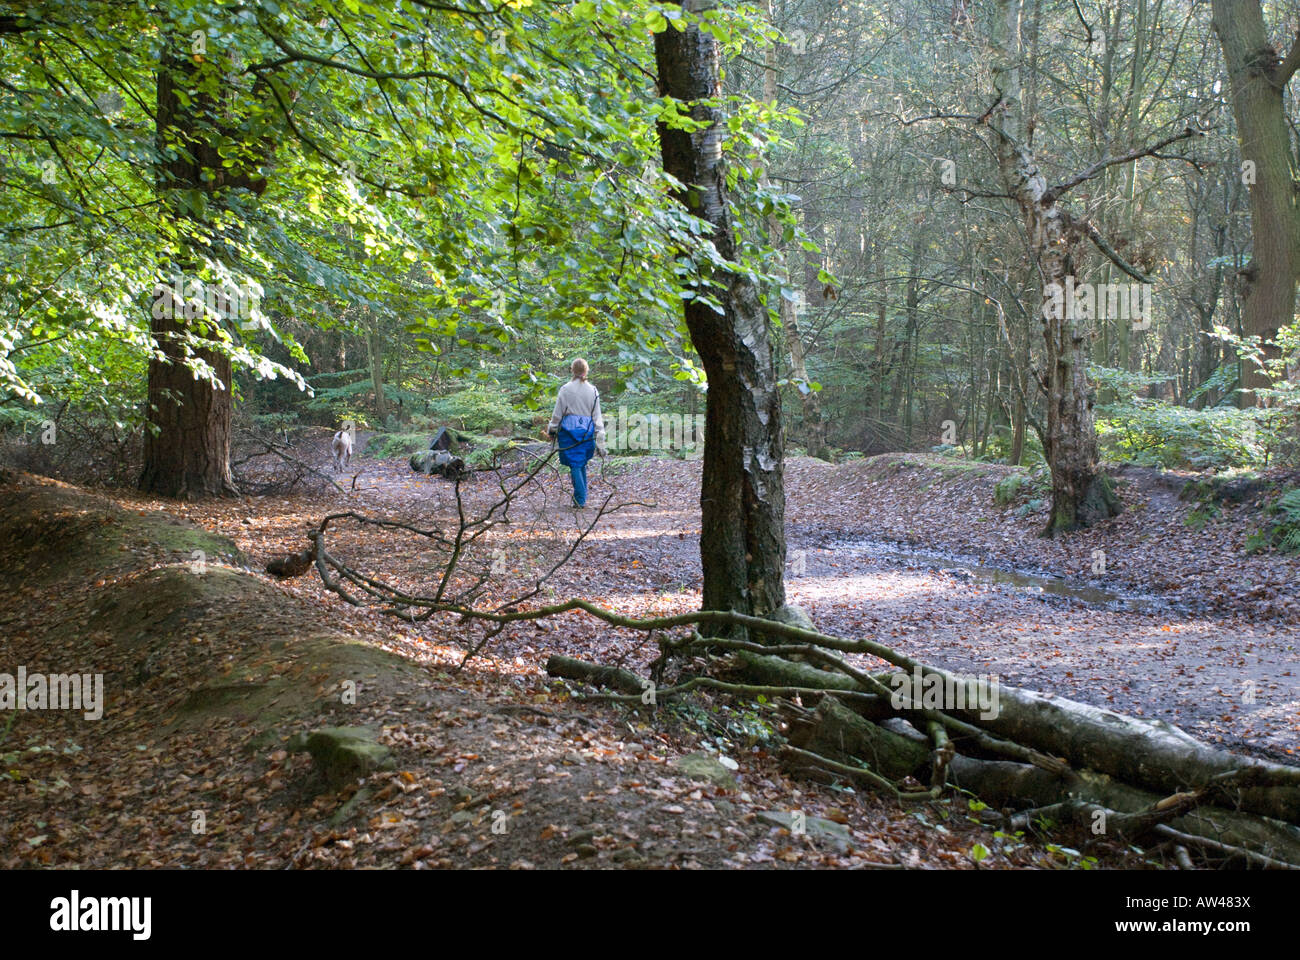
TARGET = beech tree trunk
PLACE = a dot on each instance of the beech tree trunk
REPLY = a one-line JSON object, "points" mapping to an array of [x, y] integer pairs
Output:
{"points": [[742, 500], [1257, 80]]}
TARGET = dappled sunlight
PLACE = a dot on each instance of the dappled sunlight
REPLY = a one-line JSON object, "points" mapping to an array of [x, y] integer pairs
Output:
{"points": [[867, 589]]}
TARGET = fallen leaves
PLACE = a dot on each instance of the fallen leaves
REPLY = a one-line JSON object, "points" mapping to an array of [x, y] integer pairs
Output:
{"points": [[569, 769]]}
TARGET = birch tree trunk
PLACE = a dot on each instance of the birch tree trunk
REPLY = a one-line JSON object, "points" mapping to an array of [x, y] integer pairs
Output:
{"points": [[1081, 493], [742, 500]]}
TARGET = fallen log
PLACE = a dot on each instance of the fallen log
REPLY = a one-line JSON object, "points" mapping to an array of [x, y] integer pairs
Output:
{"points": [[837, 733], [1017, 786], [775, 670], [1235, 797], [761, 668], [1147, 753], [764, 670], [600, 676]]}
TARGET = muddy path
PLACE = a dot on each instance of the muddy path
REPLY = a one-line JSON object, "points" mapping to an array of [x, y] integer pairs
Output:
{"points": [[1223, 680]]}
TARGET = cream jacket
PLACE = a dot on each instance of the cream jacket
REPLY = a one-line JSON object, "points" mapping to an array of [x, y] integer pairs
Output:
{"points": [[581, 398]]}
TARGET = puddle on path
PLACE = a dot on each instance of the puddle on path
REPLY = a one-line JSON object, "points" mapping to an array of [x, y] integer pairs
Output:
{"points": [[1024, 581]]}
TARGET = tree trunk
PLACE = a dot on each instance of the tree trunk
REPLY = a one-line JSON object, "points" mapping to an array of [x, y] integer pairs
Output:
{"points": [[1257, 82], [189, 456], [814, 428], [742, 500], [1081, 494], [375, 352], [881, 367], [1018, 415], [906, 364]]}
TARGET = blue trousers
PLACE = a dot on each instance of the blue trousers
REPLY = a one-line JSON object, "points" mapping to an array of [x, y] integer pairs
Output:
{"points": [[579, 474]]}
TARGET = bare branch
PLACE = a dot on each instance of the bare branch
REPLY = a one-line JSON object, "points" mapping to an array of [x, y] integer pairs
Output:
{"points": [[1055, 192], [1092, 233], [1289, 66]]}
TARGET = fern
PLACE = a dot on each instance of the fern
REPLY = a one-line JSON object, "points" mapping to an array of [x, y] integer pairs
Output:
{"points": [[1006, 490], [1289, 503], [1285, 534]]}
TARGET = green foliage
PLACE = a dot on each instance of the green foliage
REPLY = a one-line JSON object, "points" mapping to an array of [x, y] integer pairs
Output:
{"points": [[1284, 533], [477, 409], [1015, 485], [1199, 516], [1156, 433], [728, 728], [1259, 541], [998, 448], [1006, 490], [387, 445], [484, 452], [1159, 434], [350, 400], [455, 182], [1074, 860], [103, 384], [274, 422], [478, 451]]}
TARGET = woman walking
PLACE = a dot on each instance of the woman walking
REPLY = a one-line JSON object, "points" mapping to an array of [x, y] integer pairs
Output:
{"points": [[579, 428]]}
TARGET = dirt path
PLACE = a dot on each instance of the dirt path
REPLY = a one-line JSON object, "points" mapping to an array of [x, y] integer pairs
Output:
{"points": [[582, 784], [1230, 677], [209, 670]]}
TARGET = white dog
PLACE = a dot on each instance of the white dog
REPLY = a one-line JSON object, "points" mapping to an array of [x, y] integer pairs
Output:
{"points": [[341, 447]]}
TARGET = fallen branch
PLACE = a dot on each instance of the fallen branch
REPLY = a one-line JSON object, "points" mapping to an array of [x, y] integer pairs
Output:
{"points": [[571, 669]]}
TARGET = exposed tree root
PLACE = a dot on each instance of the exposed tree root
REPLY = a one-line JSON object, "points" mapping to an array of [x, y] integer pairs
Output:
{"points": [[880, 744], [1017, 750]]}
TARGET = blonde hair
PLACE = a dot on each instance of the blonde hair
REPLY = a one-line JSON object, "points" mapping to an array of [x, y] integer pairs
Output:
{"points": [[579, 368]]}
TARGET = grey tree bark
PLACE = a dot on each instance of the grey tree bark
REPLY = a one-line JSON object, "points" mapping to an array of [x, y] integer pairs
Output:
{"points": [[1257, 79], [1081, 493]]}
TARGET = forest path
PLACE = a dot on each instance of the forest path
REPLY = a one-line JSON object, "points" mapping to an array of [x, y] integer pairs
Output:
{"points": [[901, 549], [913, 552]]}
